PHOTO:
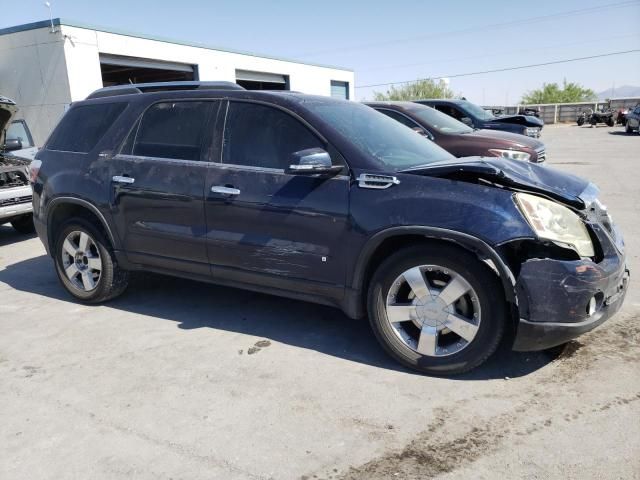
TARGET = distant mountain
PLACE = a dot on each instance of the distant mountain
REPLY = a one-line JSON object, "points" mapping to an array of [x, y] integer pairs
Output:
{"points": [[618, 92]]}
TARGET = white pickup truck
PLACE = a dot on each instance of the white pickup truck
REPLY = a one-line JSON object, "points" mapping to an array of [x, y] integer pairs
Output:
{"points": [[15, 188]]}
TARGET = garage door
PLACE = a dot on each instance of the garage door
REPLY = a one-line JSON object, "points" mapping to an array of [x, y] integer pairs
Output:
{"points": [[262, 80], [121, 70]]}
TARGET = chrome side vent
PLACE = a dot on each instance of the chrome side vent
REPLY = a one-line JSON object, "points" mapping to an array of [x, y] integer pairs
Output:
{"points": [[379, 182]]}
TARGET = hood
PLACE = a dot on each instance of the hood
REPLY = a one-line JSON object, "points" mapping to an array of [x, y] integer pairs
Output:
{"points": [[513, 175], [516, 139], [525, 120], [8, 109]]}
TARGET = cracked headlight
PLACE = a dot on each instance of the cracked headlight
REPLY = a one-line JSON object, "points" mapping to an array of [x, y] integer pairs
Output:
{"points": [[511, 154], [555, 222]]}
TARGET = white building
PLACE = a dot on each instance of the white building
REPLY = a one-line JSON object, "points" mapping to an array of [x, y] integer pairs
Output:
{"points": [[45, 66]]}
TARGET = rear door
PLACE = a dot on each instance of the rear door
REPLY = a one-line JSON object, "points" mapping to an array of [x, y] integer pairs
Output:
{"points": [[158, 183], [268, 227]]}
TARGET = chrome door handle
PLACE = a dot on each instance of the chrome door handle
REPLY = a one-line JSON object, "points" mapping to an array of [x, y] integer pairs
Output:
{"points": [[225, 190], [122, 179]]}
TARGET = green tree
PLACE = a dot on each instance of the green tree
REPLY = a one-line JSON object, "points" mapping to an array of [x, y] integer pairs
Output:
{"points": [[427, 88], [553, 93]]}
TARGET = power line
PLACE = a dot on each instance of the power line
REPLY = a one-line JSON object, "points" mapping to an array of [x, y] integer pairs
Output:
{"points": [[524, 21], [520, 67]]}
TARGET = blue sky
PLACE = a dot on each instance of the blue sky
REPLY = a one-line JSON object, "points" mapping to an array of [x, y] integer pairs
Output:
{"points": [[384, 41]]}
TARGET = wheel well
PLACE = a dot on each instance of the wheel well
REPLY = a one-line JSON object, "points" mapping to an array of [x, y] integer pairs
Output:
{"points": [[393, 244], [65, 211]]}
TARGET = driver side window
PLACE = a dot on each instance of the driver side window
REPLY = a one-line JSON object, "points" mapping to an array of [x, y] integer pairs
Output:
{"points": [[257, 135]]}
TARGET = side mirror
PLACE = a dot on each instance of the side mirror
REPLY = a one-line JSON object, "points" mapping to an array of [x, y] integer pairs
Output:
{"points": [[467, 121], [312, 161], [423, 132], [12, 144]]}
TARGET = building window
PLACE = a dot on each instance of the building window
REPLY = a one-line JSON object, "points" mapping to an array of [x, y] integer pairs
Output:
{"points": [[340, 89]]}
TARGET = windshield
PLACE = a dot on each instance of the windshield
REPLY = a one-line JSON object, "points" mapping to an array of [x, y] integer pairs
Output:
{"points": [[477, 111], [433, 119], [375, 134]]}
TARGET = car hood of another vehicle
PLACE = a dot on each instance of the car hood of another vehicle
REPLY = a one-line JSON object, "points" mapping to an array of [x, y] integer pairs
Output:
{"points": [[514, 175], [525, 120], [515, 139]]}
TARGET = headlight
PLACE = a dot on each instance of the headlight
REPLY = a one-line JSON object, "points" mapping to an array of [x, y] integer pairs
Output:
{"points": [[511, 154], [532, 132], [552, 221]]}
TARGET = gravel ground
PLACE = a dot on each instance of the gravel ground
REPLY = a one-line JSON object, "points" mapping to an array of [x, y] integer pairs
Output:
{"points": [[180, 380]]}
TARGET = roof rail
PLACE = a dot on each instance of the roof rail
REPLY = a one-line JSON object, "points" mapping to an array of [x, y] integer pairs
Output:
{"points": [[161, 87]]}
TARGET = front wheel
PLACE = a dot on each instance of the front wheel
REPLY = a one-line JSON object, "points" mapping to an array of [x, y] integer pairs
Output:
{"points": [[85, 263], [23, 224], [436, 309]]}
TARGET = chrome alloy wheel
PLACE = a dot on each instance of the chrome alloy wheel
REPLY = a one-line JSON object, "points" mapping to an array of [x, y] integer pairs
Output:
{"points": [[433, 310], [81, 261]]}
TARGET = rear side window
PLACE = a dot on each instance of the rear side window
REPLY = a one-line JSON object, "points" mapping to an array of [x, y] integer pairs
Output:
{"points": [[398, 117], [172, 130], [82, 127], [261, 136]]}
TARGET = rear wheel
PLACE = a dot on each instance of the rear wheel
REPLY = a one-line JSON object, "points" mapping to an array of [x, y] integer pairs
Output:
{"points": [[23, 224], [437, 309], [580, 121], [85, 263], [610, 121]]}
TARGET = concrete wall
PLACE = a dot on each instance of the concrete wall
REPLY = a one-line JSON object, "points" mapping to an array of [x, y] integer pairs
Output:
{"points": [[568, 112], [44, 72], [33, 73]]}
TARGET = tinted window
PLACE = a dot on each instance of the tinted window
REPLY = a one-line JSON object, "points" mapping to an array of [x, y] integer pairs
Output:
{"points": [[377, 135], [436, 120], [82, 127], [172, 130], [398, 117], [261, 136]]}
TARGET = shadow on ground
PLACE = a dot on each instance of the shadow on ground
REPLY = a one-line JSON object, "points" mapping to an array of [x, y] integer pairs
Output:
{"points": [[200, 305], [622, 133], [8, 235]]}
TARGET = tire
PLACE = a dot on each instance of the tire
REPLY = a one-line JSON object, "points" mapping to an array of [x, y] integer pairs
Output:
{"points": [[449, 353], [593, 122], [610, 122], [24, 224], [580, 121], [101, 279]]}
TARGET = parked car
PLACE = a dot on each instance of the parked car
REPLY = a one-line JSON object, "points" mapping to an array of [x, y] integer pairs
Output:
{"points": [[531, 111], [593, 117], [18, 132], [633, 120], [477, 117], [328, 201], [457, 138], [15, 190]]}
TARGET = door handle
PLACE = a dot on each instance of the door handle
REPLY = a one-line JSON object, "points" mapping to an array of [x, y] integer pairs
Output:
{"points": [[225, 190], [122, 179]]}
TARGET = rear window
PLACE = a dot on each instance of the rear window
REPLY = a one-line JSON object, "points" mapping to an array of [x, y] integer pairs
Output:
{"points": [[82, 127]]}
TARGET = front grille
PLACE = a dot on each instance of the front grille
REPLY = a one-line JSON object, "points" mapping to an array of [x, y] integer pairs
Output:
{"points": [[7, 202], [542, 155]]}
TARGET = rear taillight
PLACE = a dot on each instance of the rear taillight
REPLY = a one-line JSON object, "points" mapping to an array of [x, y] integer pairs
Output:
{"points": [[34, 168]]}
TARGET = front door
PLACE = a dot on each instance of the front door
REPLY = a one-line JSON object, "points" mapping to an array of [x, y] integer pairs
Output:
{"points": [[158, 183], [268, 227]]}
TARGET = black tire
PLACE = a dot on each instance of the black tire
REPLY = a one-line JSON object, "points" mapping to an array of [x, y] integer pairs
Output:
{"points": [[482, 280], [24, 224], [113, 279], [580, 121], [627, 127], [610, 122], [593, 122]]}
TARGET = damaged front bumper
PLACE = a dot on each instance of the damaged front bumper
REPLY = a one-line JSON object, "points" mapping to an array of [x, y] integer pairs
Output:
{"points": [[559, 300]]}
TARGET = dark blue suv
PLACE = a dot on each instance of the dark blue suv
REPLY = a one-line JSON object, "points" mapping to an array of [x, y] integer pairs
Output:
{"points": [[328, 201]]}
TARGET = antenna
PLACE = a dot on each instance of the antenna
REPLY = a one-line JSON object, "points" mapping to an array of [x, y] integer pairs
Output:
{"points": [[48, 5]]}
